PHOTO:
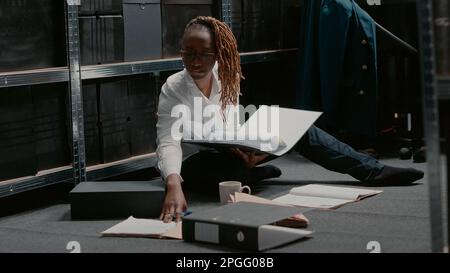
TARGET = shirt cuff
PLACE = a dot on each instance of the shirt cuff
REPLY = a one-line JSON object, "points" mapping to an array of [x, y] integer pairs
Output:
{"points": [[181, 178]]}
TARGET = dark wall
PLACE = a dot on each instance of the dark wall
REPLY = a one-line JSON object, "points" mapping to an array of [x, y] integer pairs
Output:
{"points": [[32, 34], [33, 130], [120, 118]]}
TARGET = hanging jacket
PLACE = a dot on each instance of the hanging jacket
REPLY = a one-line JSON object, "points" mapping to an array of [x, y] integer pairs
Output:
{"points": [[338, 65]]}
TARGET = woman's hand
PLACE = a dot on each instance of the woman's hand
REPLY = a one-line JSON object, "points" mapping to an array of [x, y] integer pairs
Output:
{"points": [[174, 201], [250, 158]]}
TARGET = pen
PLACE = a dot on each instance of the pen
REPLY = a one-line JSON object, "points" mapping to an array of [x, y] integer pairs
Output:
{"points": [[184, 213]]}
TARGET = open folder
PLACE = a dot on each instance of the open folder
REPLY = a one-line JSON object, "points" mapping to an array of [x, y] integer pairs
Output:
{"points": [[323, 196], [271, 129], [149, 228], [294, 221]]}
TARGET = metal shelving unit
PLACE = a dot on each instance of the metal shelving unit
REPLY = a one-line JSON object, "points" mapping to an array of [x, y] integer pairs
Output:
{"points": [[65, 174], [76, 101], [143, 67], [74, 74], [121, 167], [53, 75], [38, 76], [433, 90], [18, 185]]}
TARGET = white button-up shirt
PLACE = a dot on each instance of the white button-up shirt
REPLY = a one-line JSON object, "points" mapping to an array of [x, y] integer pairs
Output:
{"points": [[180, 89]]}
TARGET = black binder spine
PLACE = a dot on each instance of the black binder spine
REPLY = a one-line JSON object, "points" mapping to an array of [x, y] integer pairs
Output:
{"points": [[235, 236]]}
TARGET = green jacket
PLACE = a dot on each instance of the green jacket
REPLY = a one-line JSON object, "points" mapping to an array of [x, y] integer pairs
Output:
{"points": [[338, 65]]}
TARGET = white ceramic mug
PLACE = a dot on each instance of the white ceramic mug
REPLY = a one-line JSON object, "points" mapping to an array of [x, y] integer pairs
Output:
{"points": [[228, 188]]}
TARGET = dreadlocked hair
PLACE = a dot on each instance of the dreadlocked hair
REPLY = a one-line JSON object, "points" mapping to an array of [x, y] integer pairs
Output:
{"points": [[228, 58]]}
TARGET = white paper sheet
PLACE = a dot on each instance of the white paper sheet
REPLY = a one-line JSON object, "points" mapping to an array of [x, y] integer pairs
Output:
{"points": [[326, 191], [139, 228], [324, 196], [264, 132], [310, 201], [292, 124]]}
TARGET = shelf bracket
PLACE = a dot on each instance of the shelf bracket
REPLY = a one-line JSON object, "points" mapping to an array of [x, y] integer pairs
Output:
{"points": [[76, 99], [431, 122]]}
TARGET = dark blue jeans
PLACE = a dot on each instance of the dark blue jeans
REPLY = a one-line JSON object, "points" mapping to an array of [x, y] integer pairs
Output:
{"points": [[205, 169], [334, 155]]}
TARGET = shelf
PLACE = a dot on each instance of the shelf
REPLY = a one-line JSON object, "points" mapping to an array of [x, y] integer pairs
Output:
{"points": [[443, 88], [61, 74], [142, 67], [22, 184], [129, 68], [383, 2], [65, 174], [74, 76], [131, 164], [31, 77]]}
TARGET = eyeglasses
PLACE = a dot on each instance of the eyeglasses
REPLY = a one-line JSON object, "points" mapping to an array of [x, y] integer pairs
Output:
{"points": [[203, 57]]}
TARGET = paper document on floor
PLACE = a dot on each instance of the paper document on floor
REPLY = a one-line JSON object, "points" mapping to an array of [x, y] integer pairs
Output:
{"points": [[134, 227], [295, 221], [324, 196]]}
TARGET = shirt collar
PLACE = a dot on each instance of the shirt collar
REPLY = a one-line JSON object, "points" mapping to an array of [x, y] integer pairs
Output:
{"points": [[215, 89]]}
